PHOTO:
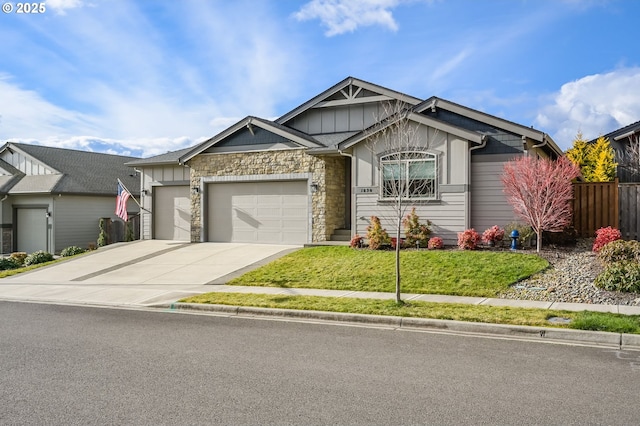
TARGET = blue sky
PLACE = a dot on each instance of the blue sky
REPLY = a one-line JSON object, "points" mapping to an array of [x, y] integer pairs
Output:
{"points": [[150, 76]]}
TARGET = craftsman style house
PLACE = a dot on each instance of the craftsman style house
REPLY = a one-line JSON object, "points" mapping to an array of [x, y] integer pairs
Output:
{"points": [[52, 198], [318, 171]]}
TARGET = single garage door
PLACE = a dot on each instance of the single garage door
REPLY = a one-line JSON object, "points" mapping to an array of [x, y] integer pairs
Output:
{"points": [[260, 212], [172, 213], [31, 229]]}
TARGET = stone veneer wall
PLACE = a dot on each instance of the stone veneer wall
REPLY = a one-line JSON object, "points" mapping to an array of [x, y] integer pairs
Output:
{"points": [[327, 203], [335, 194]]}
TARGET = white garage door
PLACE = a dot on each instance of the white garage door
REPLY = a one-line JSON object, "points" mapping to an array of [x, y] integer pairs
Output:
{"points": [[31, 229], [172, 213], [260, 212]]}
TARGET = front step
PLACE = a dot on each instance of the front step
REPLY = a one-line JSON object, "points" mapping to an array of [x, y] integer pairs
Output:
{"points": [[341, 235]]}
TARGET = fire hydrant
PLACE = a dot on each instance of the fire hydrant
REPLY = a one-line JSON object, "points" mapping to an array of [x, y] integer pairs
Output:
{"points": [[514, 239]]}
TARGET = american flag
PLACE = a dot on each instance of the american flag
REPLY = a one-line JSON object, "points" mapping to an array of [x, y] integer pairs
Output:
{"points": [[121, 202]]}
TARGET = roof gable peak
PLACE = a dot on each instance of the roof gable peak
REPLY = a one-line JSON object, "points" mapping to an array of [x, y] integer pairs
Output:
{"points": [[350, 91]]}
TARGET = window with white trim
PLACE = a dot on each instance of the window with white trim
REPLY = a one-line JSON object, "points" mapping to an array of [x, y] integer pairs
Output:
{"points": [[408, 174]]}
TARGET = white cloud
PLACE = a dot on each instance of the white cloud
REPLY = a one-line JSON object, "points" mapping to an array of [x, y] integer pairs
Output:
{"points": [[595, 105], [147, 98], [61, 6], [341, 16]]}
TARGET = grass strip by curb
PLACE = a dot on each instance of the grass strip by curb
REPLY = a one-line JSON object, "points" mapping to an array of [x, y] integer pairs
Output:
{"points": [[593, 321]]}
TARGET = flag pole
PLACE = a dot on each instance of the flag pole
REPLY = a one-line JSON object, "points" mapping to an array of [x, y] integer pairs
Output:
{"points": [[134, 198]]}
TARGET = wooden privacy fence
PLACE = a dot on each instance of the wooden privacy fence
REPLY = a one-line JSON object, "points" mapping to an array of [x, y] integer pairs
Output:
{"points": [[601, 204], [595, 205], [629, 195]]}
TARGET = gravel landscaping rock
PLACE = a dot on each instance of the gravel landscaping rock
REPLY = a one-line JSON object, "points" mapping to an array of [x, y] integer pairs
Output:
{"points": [[569, 279]]}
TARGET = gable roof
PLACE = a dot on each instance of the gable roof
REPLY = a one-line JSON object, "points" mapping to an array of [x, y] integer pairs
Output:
{"points": [[622, 133], [349, 97], [418, 118], [293, 135], [72, 171], [168, 158]]}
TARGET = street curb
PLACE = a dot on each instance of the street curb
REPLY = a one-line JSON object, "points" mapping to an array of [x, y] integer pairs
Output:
{"points": [[542, 334]]}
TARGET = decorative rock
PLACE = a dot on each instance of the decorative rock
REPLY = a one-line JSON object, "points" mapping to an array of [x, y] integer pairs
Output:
{"points": [[569, 279]]}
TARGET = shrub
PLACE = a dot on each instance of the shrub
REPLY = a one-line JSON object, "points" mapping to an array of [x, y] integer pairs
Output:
{"points": [[493, 235], [8, 263], [435, 243], [394, 241], [128, 232], [376, 234], [416, 233], [568, 236], [620, 276], [71, 251], [102, 237], [468, 240], [604, 236], [620, 251], [18, 257], [356, 241], [525, 231], [38, 257]]}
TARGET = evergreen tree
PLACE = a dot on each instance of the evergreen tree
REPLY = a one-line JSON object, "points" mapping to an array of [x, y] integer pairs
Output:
{"points": [[603, 158], [579, 155], [596, 160]]}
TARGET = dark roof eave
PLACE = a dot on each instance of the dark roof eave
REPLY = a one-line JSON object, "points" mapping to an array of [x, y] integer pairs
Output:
{"points": [[334, 151]]}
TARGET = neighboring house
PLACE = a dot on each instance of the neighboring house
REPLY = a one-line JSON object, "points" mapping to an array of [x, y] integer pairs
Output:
{"points": [[165, 197], [620, 140], [52, 198], [311, 174]]}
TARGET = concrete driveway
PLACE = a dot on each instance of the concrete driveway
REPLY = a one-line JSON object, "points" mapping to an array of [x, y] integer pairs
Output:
{"points": [[140, 273]]}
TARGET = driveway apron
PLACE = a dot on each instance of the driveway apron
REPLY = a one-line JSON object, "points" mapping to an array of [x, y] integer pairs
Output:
{"points": [[139, 273]]}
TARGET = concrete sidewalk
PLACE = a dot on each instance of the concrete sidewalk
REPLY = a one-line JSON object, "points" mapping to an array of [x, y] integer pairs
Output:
{"points": [[157, 272]]}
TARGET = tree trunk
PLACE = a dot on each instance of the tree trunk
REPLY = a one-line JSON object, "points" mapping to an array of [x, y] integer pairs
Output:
{"points": [[539, 241], [398, 243]]}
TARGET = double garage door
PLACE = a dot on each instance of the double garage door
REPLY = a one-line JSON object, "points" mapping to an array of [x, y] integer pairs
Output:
{"points": [[258, 212]]}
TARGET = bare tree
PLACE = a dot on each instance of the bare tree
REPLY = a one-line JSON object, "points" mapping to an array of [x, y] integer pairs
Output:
{"points": [[631, 157], [540, 192], [407, 170]]}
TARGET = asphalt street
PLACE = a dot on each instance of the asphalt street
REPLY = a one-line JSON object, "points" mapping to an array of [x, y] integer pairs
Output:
{"points": [[77, 365]]}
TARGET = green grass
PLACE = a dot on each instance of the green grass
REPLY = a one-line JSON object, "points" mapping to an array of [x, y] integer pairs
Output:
{"points": [[416, 309], [10, 272], [598, 321], [460, 273]]}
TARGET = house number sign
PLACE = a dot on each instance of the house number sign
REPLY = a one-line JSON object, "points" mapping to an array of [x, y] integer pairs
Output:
{"points": [[366, 190]]}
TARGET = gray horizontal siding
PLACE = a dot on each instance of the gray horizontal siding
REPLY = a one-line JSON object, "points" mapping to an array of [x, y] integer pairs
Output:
{"points": [[447, 217], [77, 219], [489, 205]]}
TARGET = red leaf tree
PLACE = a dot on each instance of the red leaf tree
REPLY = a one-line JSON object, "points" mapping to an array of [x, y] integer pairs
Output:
{"points": [[540, 192]]}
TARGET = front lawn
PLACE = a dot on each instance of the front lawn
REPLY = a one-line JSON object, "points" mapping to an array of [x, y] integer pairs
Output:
{"points": [[460, 273]]}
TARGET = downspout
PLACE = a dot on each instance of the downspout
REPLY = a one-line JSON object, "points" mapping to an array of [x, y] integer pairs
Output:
{"points": [[143, 200], [541, 144], [467, 219], [2, 223]]}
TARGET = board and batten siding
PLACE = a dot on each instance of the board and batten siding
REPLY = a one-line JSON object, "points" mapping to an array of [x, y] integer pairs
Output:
{"points": [[158, 176], [26, 164], [348, 118], [489, 204], [77, 218]]}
